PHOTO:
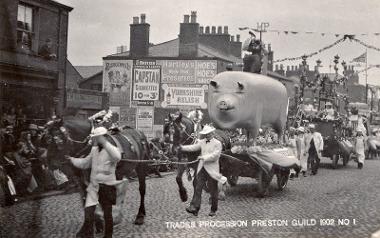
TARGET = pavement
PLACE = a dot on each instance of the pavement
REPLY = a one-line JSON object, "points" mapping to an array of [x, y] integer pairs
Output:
{"points": [[334, 203]]}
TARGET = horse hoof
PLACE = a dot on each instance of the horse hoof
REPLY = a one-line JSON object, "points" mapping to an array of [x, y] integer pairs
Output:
{"points": [[183, 195], [139, 220]]}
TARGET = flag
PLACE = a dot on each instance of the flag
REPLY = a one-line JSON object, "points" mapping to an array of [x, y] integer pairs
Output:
{"points": [[361, 59]]}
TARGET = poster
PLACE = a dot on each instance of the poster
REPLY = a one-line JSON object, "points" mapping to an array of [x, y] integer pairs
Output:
{"points": [[144, 120], [180, 95], [188, 71], [117, 80], [146, 81]]}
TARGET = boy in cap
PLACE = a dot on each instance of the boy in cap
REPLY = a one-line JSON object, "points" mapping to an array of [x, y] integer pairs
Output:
{"points": [[207, 171], [102, 160]]}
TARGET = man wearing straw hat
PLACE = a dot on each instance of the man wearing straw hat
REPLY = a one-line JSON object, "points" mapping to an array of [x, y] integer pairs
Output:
{"points": [[102, 160], [208, 169]]}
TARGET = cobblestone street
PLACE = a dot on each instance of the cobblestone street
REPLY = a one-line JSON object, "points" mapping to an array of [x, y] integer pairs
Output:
{"points": [[346, 195]]}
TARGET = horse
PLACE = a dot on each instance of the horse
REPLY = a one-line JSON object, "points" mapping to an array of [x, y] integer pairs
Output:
{"points": [[179, 130], [71, 137]]}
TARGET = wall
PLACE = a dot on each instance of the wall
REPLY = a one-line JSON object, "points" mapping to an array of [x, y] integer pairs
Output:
{"points": [[143, 92]]}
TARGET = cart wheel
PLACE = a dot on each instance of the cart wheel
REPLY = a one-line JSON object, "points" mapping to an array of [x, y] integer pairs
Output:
{"points": [[334, 159], [232, 180], [282, 179]]}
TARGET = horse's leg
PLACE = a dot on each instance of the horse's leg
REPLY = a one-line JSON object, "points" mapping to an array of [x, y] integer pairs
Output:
{"points": [[141, 173], [182, 189]]}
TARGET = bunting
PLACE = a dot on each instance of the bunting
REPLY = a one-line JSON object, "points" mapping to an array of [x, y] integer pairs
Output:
{"points": [[286, 32]]}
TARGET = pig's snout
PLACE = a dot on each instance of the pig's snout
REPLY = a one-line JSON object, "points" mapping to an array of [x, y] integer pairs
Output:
{"points": [[224, 105]]}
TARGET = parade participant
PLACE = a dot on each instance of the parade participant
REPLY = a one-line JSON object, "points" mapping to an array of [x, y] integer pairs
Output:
{"points": [[329, 110], [314, 147], [291, 143], [359, 146], [207, 171], [102, 160], [301, 152]]}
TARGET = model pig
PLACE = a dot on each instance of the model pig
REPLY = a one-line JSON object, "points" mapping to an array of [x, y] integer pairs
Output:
{"points": [[247, 100]]}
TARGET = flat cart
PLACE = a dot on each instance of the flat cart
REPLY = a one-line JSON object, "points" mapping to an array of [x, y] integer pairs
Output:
{"points": [[262, 166]]}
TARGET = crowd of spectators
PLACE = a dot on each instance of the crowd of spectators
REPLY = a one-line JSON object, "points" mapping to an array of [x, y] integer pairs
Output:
{"points": [[24, 167]]}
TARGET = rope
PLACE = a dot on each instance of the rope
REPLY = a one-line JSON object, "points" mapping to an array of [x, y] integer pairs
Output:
{"points": [[164, 162], [85, 140]]}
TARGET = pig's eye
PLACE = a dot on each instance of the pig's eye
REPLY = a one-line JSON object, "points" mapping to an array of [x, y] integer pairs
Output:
{"points": [[240, 85], [214, 84]]}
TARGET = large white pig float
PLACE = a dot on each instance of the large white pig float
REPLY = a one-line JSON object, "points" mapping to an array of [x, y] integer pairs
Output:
{"points": [[247, 100]]}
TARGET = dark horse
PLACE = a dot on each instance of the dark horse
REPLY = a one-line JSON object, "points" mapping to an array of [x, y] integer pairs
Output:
{"points": [[71, 137], [180, 131]]}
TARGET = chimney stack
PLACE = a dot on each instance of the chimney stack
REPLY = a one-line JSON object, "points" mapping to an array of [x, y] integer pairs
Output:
{"points": [[225, 31], [201, 30], [232, 38], [189, 36], [238, 38], [139, 37], [220, 30]]}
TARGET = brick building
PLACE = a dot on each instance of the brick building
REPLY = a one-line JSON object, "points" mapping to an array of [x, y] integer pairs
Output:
{"points": [[149, 81], [33, 50]]}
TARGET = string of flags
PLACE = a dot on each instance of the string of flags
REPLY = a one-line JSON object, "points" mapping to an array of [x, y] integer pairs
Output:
{"points": [[366, 45], [345, 37], [369, 67], [290, 32], [313, 53]]}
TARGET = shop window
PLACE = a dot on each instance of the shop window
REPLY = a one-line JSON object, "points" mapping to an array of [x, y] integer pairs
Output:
{"points": [[25, 26]]}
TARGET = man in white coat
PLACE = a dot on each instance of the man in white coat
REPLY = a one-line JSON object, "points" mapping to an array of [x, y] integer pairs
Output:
{"points": [[314, 147], [102, 160], [207, 171]]}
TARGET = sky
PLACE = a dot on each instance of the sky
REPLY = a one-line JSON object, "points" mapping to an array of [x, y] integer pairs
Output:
{"points": [[97, 27]]}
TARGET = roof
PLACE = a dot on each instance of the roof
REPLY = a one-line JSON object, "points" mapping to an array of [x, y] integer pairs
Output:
{"points": [[57, 2], [88, 71], [279, 76], [171, 49]]}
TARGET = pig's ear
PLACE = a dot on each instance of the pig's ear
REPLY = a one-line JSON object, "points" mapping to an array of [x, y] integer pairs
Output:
{"points": [[214, 84], [240, 85]]}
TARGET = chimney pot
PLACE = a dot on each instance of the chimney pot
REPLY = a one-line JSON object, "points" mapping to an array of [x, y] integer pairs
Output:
{"points": [[201, 30], [276, 67], [186, 18], [288, 68], [135, 20], [193, 17], [220, 30], [143, 17], [225, 30], [213, 30], [207, 30], [269, 47], [292, 67], [281, 66], [232, 38], [238, 38]]}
